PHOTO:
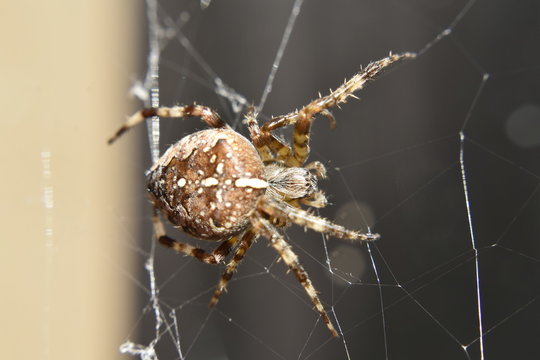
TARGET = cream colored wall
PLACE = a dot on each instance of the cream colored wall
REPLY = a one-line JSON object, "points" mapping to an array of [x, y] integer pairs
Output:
{"points": [[65, 69]]}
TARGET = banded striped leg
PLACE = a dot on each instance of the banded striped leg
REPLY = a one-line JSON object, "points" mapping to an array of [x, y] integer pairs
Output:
{"points": [[265, 145], [254, 133], [208, 115], [291, 260], [302, 118], [282, 150], [282, 210], [245, 244], [317, 200], [215, 257]]}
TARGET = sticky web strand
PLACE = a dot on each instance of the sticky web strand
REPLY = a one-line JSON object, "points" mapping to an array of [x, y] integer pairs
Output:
{"points": [[151, 81], [469, 215], [381, 301], [238, 102], [151, 84], [279, 54]]}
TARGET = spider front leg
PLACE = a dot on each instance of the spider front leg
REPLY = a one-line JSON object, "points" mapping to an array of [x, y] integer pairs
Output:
{"points": [[302, 118], [208, 115], [214, 257], [317, 168], [283, 211], [291, 260], [266, 145], [317, 200]]}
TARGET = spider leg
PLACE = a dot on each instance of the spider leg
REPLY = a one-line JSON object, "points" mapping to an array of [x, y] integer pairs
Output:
{"points": [[215, 257], [254, 133], [291, 260], [265, 145], [317, 200], [317, 168], [282, 210], [302, 118], [208, 115], [282, 150], [245, 244]]}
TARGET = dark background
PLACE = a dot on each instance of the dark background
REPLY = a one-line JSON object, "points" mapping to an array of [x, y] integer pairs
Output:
{"points": [[396, 155]]}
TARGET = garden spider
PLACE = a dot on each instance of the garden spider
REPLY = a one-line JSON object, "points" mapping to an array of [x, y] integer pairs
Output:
{"points": [[217, 185]]}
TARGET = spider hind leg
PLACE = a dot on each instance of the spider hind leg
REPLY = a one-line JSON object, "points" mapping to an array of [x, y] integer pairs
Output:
{"points": [[245, 243], [291, 260], [215, 257]]}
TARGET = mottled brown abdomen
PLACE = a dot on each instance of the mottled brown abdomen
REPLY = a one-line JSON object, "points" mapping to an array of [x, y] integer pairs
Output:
{"points": [[208, 183]]}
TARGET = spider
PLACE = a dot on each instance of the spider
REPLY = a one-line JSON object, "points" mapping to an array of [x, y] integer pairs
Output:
{"points": [[216, 185]]}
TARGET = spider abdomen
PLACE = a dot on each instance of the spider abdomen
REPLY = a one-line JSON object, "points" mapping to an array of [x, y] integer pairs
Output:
{"points": [[208, 183]]}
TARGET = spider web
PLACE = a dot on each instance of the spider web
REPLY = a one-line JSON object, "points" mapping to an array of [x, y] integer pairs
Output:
{"points": [[440, 156]]}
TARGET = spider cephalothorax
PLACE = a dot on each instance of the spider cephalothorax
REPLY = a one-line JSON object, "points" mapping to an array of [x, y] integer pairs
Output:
{"points": [[217, 185]]}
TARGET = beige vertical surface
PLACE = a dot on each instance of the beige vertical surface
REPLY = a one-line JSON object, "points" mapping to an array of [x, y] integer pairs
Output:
{"points": [[65, 261]]}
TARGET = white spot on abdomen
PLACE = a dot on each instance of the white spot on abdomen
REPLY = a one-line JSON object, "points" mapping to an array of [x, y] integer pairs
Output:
{"points": [[251, 182], [211, 181]]}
